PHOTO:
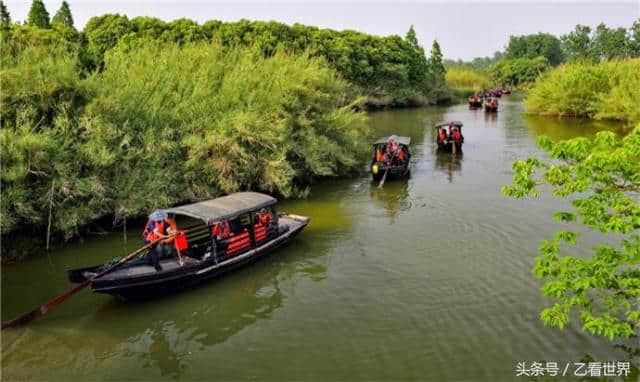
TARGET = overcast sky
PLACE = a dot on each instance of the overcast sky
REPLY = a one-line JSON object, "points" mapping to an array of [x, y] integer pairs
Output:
{"points": [[465, 29]]}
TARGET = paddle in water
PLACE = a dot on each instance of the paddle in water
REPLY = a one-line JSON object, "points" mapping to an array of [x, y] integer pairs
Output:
{"points": [[42, 309]]}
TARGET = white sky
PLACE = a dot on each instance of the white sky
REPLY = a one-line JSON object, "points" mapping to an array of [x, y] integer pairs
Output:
{"points": [[465, 29]]}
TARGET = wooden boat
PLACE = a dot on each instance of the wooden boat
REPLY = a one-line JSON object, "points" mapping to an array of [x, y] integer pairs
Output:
{"points": [[475, 101], [505, 90], [383, 160], [449, 143], [204, 256], [490, 105]]}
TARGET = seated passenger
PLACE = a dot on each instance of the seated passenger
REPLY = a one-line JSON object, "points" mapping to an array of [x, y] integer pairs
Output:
{"points": [[161, 248], [442, 135], [222, 230], [264, 217], [402, 156], [378, 155]]}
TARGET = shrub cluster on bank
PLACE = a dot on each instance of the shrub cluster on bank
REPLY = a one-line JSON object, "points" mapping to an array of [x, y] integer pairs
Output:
{"points": [[164, 123], [131, 114], [605, 90]]}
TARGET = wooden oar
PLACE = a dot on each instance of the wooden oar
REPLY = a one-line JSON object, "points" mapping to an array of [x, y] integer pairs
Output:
{"points": [[42, 309], [384, 176]]}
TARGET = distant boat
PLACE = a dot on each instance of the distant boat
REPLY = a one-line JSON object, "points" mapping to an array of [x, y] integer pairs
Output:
{"points": [[490, 105], [383, 159], [204, 256], [475, 101]]}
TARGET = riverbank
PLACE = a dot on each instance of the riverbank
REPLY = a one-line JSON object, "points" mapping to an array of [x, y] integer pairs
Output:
{"points": [[605, 90]]}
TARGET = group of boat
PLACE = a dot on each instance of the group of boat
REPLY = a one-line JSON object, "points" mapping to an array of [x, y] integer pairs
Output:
{"points": [[488, 99]]}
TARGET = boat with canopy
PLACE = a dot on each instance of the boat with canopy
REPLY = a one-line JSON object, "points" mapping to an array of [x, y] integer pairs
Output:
{"points": [[255, 229]]}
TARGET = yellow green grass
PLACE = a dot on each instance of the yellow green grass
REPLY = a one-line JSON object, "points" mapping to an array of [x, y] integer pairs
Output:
{"points": [[606, 90], [460, 78]]}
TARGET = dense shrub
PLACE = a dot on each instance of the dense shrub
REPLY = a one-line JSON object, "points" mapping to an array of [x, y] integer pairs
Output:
{"points": [[164, 123], [607, 90]]}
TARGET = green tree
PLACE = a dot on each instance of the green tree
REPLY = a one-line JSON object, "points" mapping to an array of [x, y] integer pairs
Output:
{"points": [[411, 37], [634, 39], [38, 15], [577, 44], [603, 178], [63, 16], [435, 60], [103, 32], [610, 43], [534, 45], [518, 71], [5, 18]]}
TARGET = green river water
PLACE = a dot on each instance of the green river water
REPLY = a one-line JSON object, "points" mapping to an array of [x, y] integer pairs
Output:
{"points": [[429, 278]]}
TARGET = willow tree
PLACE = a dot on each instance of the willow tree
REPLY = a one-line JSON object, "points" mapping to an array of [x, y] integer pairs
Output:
{"points": [[602, 176]]}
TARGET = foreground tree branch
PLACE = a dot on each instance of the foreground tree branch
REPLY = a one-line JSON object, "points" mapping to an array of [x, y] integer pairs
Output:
{"points": [[602, 176]]}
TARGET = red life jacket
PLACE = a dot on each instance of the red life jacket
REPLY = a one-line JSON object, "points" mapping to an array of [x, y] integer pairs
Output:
{"points": [[264, 218], [222, 229], [456, 135], [159, 230]]}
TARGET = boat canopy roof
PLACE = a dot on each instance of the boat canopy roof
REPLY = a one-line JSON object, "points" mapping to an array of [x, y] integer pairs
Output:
{"points": [[401, 140], [443, 124], [226, 207]]}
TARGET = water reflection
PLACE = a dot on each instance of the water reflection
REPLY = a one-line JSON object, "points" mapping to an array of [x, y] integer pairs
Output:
{"points": [[449, 163], [567, 128], [393, 197], [490, 117]]}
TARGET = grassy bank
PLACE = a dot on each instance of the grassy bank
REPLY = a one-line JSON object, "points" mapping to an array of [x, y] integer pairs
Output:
{"points": [[606, 90], [465, 81], [164, 123]]}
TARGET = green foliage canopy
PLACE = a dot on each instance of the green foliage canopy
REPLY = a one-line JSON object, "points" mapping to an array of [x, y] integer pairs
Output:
{"points": [[518, 71], [390, 70], [38, 15], [5, 18], [63, 16], [603, 177], [535, 45]]}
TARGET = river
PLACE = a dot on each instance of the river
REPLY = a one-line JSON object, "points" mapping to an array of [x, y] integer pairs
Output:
{"points": [[429, 278]]}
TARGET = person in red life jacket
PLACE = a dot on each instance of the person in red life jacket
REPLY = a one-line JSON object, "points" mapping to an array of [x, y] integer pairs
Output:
{"points": [[442, 135], [222, 230], [402, 156], [456, 135], [264, 217], [160, 230], [378, 155]]}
